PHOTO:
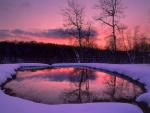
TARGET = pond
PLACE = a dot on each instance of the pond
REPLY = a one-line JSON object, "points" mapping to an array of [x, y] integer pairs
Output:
{"points": [[71, 85]]}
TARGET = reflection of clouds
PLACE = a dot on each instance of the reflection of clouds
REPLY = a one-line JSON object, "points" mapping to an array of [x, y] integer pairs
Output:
{"points": [[58, 75], [70, 85], [39, 90]]}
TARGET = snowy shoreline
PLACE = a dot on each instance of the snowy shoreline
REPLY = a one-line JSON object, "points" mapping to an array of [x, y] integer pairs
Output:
{"points": [[139, 72], [8, 70]]}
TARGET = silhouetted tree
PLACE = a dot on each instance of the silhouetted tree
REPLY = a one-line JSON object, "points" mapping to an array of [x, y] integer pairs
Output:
{"points": [[19, 52], [89, 35], [74, 20], [110, 13], [126, 43], [76, 25]]}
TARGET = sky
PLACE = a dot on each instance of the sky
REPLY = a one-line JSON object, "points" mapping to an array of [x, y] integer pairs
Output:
{"points": [[40, 20]]}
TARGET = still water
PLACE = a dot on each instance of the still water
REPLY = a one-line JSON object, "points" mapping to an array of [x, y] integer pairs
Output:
{"points": [[71, 85]]}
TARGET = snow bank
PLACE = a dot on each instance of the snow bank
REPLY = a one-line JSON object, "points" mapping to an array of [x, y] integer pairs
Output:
{"points": [[139, 72], [16, 105], [7, 70], [144, 98]]}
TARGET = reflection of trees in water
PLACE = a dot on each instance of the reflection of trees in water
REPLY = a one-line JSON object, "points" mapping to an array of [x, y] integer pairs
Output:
{"points": [[116, 88], [81, 92], [121, 89], [110, 86]]}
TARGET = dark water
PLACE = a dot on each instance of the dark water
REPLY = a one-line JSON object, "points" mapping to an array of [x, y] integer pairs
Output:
{"points": [[71, 85]]}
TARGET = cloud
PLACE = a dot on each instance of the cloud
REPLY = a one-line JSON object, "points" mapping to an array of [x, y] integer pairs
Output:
{"points": [[5, 33], [26, 4], [85, 33], [50, 33], [9, 5], [57, 33], [5, 4]]}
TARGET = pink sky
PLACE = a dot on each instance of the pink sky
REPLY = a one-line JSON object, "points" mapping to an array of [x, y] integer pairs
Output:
{"points": [[42, 15]]}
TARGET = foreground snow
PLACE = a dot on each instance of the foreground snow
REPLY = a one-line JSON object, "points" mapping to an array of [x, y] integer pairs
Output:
{"points": [[138, 72], [16, 105]]}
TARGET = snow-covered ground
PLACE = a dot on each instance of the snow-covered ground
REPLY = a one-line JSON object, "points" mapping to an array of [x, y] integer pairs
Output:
{"points": [[16, 105]]}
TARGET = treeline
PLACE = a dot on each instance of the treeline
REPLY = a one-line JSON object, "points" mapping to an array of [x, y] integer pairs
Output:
{"points": [[18, 52]]}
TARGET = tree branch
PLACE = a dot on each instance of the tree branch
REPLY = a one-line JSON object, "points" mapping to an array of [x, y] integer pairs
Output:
{"points": [[100, 19]]}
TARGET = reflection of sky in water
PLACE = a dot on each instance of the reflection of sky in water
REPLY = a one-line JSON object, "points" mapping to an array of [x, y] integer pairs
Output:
{"points": [[69, 85], [59, 75]]}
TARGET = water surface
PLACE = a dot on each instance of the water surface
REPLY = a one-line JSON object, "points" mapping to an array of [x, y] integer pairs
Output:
{"points": [[71, 85]]}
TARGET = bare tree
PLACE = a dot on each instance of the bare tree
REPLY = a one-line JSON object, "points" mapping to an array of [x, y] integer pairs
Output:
{"points": [[74, 20], [127, 43], [76, 25], [133, 42], [89, 35], [110, 13], [109, 44]]}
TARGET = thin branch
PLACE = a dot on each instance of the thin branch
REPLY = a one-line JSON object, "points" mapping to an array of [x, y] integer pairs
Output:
{"points": [[100, 19]]}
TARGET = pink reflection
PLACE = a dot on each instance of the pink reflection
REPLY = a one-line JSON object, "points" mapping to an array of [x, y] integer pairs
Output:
{"points": [[45, 72], [71, 85]]}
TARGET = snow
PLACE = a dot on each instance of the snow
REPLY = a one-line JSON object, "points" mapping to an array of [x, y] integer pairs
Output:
{"points": [[16, 105], [144, 98], [138, 72], [7, 70]]}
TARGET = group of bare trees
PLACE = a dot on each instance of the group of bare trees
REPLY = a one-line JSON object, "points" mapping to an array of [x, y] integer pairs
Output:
{"points": [[76, 25], [74, 15], [109, 13]]}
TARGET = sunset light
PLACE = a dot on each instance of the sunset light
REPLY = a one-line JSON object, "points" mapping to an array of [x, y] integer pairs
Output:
{"points": [[74, 56]]}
